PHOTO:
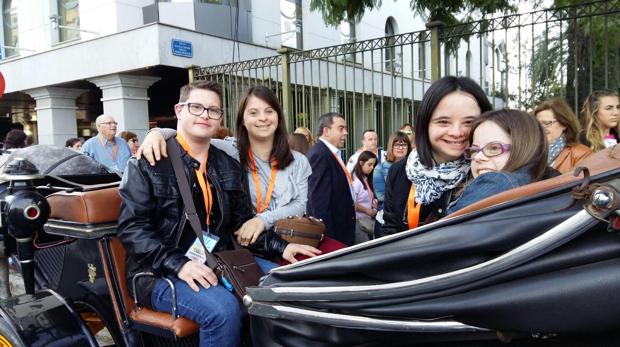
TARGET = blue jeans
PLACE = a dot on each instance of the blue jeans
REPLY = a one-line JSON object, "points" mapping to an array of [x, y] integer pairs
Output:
{"points": [[216, 309]]}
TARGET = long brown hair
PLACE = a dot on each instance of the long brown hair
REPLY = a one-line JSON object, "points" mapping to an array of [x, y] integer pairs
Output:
{"points": [[565, 116], [591, 124], [357, 169], [280, 151], [529, 143]]}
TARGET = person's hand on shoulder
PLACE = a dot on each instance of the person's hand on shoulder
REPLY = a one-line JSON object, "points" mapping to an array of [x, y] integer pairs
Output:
{"points": [[152, 148]]}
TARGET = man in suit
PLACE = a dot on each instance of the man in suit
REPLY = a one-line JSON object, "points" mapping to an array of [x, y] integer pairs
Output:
{"points": [[329, 185]]}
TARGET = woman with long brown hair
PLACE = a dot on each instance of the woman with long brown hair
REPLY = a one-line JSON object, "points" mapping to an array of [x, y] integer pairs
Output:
{"points": [[600, 115]]}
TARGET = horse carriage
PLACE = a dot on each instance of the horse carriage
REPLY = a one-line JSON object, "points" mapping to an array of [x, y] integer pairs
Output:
{"points": [[536, 265]]}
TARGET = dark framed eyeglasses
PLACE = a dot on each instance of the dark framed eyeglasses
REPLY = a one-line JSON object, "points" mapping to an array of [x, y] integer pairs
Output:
{"points": [[548, 123], [491, 149], [196, 109], [401, 145]]}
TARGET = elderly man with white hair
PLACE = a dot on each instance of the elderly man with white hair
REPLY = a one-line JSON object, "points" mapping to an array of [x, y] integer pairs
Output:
{"points": [[106, 147]]}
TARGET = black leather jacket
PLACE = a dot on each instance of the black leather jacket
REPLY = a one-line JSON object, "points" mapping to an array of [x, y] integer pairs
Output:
{"points": [[154, 229]]}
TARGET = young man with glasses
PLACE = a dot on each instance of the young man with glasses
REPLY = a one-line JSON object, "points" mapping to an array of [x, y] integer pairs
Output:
{"points": [[154, 229], [107, 148]]}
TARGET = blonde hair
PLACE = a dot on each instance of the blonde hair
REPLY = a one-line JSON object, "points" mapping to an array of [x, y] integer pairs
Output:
{"points": [[591, 124], [307, 133]]}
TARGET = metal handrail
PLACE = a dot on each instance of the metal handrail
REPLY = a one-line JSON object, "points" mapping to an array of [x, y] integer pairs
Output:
{"points": [[551, 239]]}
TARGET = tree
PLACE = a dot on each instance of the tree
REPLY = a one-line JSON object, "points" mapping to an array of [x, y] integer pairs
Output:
{"points": [[336, 11], [583, 56]]}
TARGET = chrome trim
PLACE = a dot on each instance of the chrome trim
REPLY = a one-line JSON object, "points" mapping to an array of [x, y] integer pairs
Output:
{"points": [[175, 315], [80, 227], [359, 322], [8, 177], [553, 238]]}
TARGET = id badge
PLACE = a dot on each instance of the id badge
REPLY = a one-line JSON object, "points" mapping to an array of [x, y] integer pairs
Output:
{"points": [[196, 252]]}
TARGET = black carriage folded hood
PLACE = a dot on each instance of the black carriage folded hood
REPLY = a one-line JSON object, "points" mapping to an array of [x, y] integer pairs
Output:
{"points": [[570, 289]]}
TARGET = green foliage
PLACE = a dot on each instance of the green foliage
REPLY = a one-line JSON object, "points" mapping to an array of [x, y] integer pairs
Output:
{"points": [[336, 11]]}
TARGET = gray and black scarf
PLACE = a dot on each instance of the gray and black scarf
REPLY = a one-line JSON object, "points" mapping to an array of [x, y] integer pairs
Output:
{"points": [[431, 183]]}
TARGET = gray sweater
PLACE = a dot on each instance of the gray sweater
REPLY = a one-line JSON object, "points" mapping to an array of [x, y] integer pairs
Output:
{"points": [[290, 192]]}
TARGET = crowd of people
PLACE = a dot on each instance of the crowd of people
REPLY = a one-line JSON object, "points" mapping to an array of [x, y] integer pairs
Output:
{"points": [[459, 151]]}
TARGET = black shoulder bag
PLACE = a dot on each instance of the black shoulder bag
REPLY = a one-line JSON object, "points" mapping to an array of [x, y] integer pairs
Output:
{"points": [[236, 269]]}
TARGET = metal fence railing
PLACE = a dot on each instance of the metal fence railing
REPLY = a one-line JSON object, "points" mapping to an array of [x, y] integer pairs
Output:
{"points": [[519, 59]]}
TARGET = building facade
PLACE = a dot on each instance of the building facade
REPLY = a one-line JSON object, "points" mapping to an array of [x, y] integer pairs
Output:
{"points": [[67, 61]]}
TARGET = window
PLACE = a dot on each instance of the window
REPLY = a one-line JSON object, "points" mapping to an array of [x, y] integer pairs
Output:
{"points": [[291, 24], [468, 63], [69, 17], [9, 18], [391, 29]]}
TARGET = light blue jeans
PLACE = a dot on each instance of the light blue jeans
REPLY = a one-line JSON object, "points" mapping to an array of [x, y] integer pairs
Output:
{"points": [[216, 309]]}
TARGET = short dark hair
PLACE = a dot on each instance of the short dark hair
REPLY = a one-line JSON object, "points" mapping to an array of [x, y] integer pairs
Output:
{"points": [[326, 121], [368, 131], [435, 93], [128, 135], [72, 141], [205, 85], [529, 143], [280, 151], [15, 139]]}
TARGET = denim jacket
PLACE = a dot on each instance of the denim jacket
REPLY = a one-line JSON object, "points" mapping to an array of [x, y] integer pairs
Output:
{"points": [[489, 184], [379, 177]]}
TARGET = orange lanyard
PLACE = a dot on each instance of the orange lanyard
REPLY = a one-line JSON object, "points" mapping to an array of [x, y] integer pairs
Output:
{"points": [[272, 181], [344, 168], [201, 174], [114, 151], [413, 209]]}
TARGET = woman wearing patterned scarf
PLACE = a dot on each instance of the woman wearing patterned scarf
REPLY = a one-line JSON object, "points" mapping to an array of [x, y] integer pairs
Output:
{"points": [[419, 189], [562, 128]]}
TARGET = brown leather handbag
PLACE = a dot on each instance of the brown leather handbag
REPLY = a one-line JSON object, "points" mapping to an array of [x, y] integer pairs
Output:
{"points": [[304, 230]]}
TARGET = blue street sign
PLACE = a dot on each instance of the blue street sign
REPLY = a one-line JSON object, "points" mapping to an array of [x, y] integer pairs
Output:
{"points": [[182, 48]]}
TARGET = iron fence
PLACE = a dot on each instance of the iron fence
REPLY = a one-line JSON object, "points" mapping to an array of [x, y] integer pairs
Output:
{"points": [[518, 59]]}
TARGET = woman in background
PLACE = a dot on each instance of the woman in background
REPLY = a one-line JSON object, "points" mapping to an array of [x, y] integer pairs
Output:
{"points": [[132, 141], [365, 202], [600, 113], [399, 148], [299, 143], [561, 128]]}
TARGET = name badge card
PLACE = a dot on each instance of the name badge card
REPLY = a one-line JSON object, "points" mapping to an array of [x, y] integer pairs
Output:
{"points": [[196, 252]]}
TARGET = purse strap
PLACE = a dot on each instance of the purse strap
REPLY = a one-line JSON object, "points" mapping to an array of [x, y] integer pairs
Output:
{"points": [[174, 153]]}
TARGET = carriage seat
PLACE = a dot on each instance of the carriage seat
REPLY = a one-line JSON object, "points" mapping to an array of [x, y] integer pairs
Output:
{"points": [[597, 163], [103, 207]]}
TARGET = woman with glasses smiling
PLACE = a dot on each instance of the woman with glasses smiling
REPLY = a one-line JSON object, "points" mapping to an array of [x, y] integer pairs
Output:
{"points": [[562, 128], [508, 150]]}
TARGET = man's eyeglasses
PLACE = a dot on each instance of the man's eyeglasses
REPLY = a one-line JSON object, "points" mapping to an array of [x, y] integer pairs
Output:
{"points": [[109, 123], [400, 145], [197, 110], [491, 149], [547, 124], [407, 132]]}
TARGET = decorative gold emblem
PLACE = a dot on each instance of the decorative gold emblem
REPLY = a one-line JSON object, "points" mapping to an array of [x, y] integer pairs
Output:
{"points": [[92, 273]]}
